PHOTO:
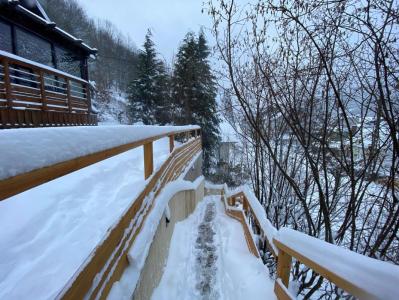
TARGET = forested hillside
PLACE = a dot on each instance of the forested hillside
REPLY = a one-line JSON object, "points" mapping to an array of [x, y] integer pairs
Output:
{"points": [[116, 63]]}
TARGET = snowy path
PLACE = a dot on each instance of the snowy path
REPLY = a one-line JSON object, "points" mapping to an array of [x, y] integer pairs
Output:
{"points": [[209, 259]]}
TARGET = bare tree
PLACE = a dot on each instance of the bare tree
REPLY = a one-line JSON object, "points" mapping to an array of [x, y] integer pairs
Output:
{"points": [[314, 87]]}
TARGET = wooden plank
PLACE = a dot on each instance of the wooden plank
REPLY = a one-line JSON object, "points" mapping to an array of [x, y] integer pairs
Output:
{"points": [[171, 143], [26, 98], [43, 91], [281, 291], [7, 82], [20, 183], [56, 95], [284, 267], [148, 160], [69, 96]]}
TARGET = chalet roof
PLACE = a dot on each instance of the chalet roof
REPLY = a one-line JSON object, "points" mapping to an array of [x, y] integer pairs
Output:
{"points": [[33, 10]]}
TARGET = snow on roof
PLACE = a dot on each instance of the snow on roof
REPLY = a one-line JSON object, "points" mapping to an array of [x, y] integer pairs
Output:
{"points": [[44, 19], [27, 149], [378, 279]]}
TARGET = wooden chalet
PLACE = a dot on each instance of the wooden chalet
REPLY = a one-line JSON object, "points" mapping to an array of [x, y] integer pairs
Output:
{"points": [[44, 78]]}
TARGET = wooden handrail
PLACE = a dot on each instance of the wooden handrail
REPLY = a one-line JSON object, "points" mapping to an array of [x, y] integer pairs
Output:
{"points": [[22, 182], [248, 210], [108, 261], [34, 87], [287, 251]]}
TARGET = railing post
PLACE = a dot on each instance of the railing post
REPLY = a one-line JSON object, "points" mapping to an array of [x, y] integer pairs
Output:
{"points": [[245, 204], [43, 91], [88, 96], [171, 143], [148, 160], [284, 267], [69, 95], [7, 83]]}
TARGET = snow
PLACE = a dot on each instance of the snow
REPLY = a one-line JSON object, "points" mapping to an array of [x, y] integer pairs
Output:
{"points": [[377, 278], [137, 254], [27, 149], [269, 230], [227, 132], [236, 274], [49, 231]]}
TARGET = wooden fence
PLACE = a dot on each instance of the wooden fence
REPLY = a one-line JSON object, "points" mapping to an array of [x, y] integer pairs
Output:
{"points": [[34, 95], [106, 264], [284, 252]]}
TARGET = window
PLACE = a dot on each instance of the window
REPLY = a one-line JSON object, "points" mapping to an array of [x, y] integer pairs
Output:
{"points": [[33, 48], [68, 62], [5, 37]]}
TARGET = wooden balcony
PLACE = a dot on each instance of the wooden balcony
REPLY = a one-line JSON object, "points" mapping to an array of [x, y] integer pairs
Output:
{"points": [[34, 95]]}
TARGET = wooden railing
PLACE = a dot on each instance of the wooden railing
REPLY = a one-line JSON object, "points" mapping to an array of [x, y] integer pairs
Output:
{"points": [[33, 95], [106, 264], [353, 275]]}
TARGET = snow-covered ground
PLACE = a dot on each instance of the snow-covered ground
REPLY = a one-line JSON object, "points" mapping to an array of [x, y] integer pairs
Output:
{"points": [[209, 259], [47, 232]]}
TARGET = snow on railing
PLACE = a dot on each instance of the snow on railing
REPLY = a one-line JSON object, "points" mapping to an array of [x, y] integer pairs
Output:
{"points": [[33, 156], [96, 276], [359, 275]]}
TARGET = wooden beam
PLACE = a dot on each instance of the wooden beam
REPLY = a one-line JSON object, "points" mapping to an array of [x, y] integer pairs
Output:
{"points": [[171, 143], [88, 98], [284, 267], [281, 291], [69, 96], [43, 91], [148, 160], [7, 82]]}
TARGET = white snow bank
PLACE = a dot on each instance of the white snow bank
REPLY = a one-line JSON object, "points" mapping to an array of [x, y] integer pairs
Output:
{"points": [[269, 230], [210, 185], [238, 275], [27, 149], [137, 254], [378, 279], [48, 232]]}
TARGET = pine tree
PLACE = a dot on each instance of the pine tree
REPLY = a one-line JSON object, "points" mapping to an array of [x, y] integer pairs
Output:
{"points": [[194, 90], [148, 93]]}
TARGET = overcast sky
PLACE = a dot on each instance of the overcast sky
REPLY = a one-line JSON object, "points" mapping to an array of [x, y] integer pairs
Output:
{"points": [[169, 20]]}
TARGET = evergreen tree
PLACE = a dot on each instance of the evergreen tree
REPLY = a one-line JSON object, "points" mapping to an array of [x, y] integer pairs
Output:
{"points": [[148, 93], [194, 92]]}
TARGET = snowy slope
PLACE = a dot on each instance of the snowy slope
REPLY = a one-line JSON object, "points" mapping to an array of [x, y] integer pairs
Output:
{"points": [[48, 232], [237, 274]]}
